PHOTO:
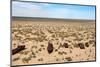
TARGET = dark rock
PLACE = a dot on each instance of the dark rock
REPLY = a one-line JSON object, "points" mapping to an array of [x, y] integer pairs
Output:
{"points": [[40, 49], [18, 49], [87, 44], [81, 45], [65, 45], [56, 50], [50, 48]]}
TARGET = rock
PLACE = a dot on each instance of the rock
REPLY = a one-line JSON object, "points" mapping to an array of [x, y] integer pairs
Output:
{"points": [[50, 48], [81, 45], [18, 49], [65, 45], [87, 44]]}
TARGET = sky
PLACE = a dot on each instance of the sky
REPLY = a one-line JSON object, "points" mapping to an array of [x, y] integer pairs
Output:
{"points": [[47, 10]]}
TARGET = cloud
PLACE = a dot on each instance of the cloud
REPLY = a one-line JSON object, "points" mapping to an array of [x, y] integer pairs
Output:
{"points": [[26, 9]]}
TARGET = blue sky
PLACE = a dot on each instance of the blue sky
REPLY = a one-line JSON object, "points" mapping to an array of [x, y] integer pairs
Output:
{"points": [[45, 10]]}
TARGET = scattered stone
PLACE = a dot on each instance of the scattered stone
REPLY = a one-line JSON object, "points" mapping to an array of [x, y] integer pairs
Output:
{"points": [[50, 48], [65, 45], [87, 44], [18, 49], [56, 50], [81, 45]]}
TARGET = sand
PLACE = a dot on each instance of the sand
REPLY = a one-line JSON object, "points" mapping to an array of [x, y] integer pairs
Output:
{"points": [[36, 35]]}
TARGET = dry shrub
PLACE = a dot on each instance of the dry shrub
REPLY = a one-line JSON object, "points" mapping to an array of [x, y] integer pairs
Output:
{"points": [[15, 59], [68, 58]]}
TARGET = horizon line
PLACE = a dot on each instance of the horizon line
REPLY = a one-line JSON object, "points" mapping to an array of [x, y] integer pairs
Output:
{"points": [[47, 18]]}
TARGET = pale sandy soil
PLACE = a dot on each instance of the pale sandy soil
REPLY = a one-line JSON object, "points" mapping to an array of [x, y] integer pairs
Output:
{"points": [[36, 35]]}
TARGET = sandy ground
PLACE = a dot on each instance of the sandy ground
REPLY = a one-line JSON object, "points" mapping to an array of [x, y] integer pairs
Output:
{"points": [[36, 35]]}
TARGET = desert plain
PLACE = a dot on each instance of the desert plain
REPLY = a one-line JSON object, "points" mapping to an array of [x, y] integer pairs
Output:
{"points": [[71, 41]]}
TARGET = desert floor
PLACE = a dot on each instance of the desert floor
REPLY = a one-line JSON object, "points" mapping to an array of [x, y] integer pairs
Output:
{"points": [[72, 42]]}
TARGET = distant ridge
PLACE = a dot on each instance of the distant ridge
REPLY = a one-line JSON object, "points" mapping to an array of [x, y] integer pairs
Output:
{"points": [[57, 19]]}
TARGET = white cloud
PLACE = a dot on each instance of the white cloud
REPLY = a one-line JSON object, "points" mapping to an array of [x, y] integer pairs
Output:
{"points": [[47, 10], [27, 9]]}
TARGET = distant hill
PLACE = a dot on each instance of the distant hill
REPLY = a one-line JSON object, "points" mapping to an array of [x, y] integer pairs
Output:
{"points": [[51, 19]]}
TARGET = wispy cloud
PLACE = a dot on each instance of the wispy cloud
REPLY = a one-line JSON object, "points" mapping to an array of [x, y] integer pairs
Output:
{"points": [[27, 9]]}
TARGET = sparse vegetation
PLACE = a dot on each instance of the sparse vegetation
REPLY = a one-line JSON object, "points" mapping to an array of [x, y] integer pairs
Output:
{"points": [[15, 59], [68, 58], [26, 59], [51, 41], [24, 52], [40, 59]]}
